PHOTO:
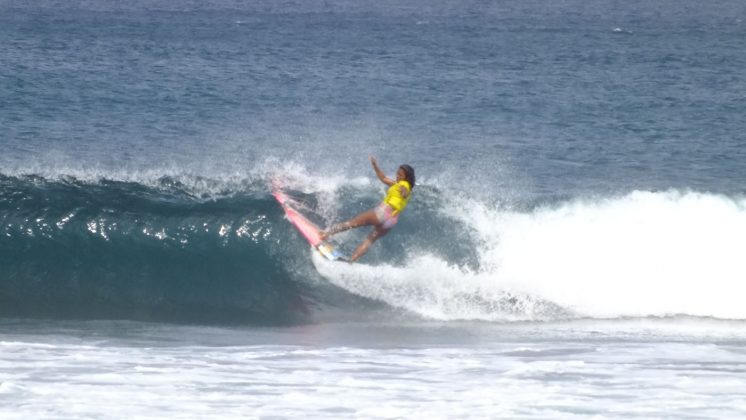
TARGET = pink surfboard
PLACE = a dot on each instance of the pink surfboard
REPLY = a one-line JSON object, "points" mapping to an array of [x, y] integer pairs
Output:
{"points": [[309, 231]]}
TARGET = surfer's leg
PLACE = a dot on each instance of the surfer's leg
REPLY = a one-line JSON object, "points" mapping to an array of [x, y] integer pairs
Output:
{"points": [[363, 219], [376, 234]]}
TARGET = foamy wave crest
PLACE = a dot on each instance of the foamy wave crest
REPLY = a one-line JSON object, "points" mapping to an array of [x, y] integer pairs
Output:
{"points": [[642, 254]]}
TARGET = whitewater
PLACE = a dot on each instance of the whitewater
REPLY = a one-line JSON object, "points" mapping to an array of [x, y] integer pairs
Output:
{"points": [[642, 254]]}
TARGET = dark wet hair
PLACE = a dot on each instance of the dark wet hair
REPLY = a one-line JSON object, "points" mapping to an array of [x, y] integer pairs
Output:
{"points": [[408, 174]]}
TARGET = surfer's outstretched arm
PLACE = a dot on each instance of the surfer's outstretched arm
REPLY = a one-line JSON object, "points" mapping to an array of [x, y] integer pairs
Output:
{"points": [[379, 173]]}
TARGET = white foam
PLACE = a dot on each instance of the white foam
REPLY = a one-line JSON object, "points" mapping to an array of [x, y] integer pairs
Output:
{"points": [[642, 254], [495, 374], [430, 287]]}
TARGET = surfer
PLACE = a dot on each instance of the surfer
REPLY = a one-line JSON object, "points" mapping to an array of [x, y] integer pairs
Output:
{"points": [[384, 216]]}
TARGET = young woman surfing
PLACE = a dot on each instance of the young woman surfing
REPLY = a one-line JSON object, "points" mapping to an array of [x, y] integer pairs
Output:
{"points": [[385, 215]]}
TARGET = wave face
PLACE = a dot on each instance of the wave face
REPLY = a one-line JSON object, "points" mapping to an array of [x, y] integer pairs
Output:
{"points": [[167, 250], [122, 249]]}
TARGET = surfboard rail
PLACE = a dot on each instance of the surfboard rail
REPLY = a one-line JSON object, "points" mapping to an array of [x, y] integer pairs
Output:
{"points": [[307, 229]]}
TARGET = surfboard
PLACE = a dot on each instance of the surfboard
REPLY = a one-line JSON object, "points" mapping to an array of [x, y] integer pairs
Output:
{"points": [[306, 228]]}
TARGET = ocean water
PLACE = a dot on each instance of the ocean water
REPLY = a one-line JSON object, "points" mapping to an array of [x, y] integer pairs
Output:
{"points": [[574, 246]]}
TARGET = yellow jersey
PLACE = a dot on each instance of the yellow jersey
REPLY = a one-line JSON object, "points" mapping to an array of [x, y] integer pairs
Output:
{"points": [[394, 197]]}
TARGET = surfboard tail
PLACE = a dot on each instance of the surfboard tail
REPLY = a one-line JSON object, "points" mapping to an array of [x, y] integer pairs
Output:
{"points": [[329, 251]]}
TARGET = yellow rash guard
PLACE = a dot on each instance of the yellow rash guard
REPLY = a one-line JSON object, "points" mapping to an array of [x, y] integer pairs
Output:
{"points": [[394, 197]]}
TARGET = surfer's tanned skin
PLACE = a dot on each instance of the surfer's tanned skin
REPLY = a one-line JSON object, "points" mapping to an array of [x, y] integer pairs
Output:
{"points": [[385, 215]]}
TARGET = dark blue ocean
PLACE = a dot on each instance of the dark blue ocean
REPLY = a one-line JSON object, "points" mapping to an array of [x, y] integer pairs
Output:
{"points": [[574, 246]]}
